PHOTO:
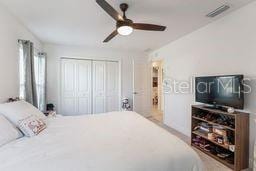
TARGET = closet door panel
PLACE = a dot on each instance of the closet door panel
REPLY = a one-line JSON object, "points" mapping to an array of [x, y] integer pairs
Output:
{"points": [[84, 87], [98, 87], [68, 106], [112, 89], [89, 87], [68, 95], [83, 106]]}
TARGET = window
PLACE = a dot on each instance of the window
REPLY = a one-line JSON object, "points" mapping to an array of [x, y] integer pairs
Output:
{"points": [[39, 66], [39, 63]]}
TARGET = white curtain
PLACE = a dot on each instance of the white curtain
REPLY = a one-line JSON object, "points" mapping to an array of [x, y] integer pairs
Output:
{"points": [[27, 74], [32, 68], [40, 75]]}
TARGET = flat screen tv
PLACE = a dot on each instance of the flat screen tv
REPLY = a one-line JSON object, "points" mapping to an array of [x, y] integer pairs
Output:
{"points": [[227, 90]]}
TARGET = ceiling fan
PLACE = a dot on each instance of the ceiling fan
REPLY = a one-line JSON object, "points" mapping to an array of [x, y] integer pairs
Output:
{"points": [[125, 26]]}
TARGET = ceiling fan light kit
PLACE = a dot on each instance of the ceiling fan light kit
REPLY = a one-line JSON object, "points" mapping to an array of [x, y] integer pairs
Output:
{"points": [[125, 30], [125, 26]]}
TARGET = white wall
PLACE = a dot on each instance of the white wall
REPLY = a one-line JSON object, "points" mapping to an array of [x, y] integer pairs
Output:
{"points": [[55, 52], [10, 31], [226, 46]]}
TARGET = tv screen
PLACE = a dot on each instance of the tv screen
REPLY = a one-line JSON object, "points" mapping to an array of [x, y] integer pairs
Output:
{"points": [[220, 90]]}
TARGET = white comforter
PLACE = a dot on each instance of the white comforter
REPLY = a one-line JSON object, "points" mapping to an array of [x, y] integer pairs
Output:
{"points": [[117, 141]]}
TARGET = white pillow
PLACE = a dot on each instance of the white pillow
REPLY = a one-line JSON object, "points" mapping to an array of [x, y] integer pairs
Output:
{"points": [[31, 125], [8, 132], [19, 110]]}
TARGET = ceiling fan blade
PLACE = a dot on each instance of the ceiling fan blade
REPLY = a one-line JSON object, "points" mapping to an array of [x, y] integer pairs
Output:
{"points": [[149, 27], [110, 10], [111, 36]]}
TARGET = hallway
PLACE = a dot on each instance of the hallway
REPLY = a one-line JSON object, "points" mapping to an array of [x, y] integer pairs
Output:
{"points": [[156, 113]]}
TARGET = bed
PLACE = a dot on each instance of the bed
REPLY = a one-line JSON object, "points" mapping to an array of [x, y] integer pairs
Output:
{"points": [[116, 141]]}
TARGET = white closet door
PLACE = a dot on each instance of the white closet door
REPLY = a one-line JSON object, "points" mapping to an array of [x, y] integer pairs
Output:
{"points": [[76, 86], [112, 88], [83, 88], [89, 87], [68, 86], [99, 87]]}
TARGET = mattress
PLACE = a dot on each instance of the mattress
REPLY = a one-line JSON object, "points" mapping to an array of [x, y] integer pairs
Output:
{"points": [[116, 141]]}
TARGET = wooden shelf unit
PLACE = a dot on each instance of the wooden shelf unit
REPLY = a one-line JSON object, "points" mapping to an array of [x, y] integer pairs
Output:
{"points": [[240, 131], [205, 137], [212, 123]]}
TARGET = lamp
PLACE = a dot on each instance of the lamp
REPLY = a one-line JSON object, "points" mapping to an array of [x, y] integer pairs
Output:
{"points": [[124, 27], [125, 30]]}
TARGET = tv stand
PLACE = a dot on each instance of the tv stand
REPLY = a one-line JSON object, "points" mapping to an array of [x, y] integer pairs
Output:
{"points": [[228, 133], [214, 107]]}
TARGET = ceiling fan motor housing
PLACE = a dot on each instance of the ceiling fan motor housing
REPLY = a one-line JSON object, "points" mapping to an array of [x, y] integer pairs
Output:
{"points": [[126, 22], [124, 7]]}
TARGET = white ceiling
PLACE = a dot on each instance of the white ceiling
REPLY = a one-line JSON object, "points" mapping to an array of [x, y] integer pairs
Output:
{"points": [[84, 23]]}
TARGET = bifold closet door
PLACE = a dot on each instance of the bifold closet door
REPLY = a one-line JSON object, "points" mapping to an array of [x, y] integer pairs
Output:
{"points": [[68, 87], [99, 79], [84, 87], [76, 88], [112, 86], [89, 87], [105, 86]]}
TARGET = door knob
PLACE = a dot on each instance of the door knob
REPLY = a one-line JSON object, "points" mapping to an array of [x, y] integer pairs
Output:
{"points": [[135, 93]]}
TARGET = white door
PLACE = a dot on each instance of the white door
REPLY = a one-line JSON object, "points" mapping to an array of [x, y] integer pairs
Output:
{"points": [[141, 86], [76, 87], [89, 86], [112, 88], [83, 88], [99, 79], [68, 84]]}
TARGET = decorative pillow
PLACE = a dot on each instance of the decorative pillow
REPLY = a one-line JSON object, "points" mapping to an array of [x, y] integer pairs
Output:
{"points": [[8, 132], [19, 110], [31, 125]]}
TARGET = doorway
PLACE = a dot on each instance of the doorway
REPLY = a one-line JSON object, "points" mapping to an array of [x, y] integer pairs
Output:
{"points": [[157, 90]]}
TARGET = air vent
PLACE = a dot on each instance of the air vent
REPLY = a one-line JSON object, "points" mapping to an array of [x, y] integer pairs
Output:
{"points": [[218, 11]]}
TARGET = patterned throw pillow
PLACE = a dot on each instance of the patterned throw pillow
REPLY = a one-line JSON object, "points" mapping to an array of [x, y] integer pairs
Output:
{"points": [[31, 125]]}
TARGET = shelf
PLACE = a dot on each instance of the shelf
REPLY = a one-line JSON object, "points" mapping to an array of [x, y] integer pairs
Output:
{"points": [[206, 137], [239, 133], [216, 111], [231, 166], [213, 123]]}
